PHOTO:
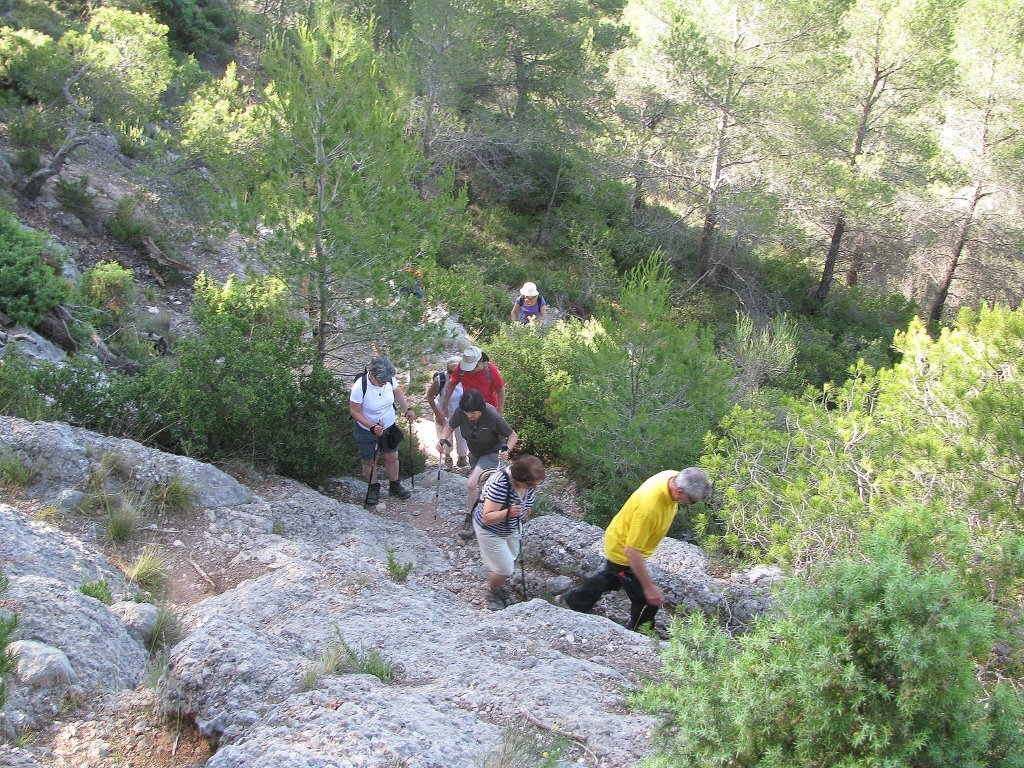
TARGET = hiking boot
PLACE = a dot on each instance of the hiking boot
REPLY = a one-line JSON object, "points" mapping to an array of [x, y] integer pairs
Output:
{"points": [[467, 531], [395, 488], [373, 494], [462, 462], [448, 465], [496, 599]]}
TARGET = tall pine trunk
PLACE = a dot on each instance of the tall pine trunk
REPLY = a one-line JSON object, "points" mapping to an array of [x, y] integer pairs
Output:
{"points": [[955, 252]]}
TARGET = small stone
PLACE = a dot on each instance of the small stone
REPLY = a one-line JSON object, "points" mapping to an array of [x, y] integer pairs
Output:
{"points": [[153, 310]]}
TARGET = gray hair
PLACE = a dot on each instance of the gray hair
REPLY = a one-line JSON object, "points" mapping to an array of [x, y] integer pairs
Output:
{"points": [[381, 368], [694, 481]]}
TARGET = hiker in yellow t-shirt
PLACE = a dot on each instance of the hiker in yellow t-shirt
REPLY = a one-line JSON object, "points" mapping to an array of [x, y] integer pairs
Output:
{"points": [[632, 536]]}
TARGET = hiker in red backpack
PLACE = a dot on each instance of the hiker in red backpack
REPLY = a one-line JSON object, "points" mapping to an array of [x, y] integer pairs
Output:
{"points": [[475, 371], [529, 305]]}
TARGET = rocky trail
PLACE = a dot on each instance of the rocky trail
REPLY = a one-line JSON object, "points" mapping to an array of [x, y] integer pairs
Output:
{"points": [[283, 596]]}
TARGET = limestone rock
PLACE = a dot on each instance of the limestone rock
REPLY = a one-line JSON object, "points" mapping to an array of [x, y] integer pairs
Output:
{"points": [[60, 455], [40, 665]]}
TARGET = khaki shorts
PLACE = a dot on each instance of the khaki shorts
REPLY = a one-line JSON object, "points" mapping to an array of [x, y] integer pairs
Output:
{"points": [[499, 553]]}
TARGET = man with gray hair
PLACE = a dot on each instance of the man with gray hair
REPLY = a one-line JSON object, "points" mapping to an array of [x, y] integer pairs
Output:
{"points": [[632, 536]]}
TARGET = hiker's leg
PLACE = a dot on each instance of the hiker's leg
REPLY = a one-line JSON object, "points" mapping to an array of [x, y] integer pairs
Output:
{"points": [[585, 597], [471, 489], [461, 448], [391, 464], [641, 613], [365, 441]]}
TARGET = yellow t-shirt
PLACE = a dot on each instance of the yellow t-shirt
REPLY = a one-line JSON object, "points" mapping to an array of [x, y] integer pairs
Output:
{"points": [[643, 520]]}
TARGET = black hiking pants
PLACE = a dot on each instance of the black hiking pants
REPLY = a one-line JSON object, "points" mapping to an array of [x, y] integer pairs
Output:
{"points": [[610, 578]]}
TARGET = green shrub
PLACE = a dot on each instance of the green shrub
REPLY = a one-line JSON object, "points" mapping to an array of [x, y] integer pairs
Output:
{"points": [[110, 288], [339, 656], [127, 226], [27, 161], [871, 661], [37, 128], [535, 362], [75, 197], [14, 470], [36, 64], [642, 395], [7, 628], [29, 288], [149, 570], [482, 307], [248, 386], [399, 572], [19, 395], [131, 139], [99, 590]]}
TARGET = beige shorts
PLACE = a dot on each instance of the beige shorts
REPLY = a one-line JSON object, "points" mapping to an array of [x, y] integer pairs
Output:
{"points": [[499, 553]]}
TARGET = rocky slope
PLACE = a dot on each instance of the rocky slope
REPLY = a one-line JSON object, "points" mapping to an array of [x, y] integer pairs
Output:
{"points": [[282, 581]]}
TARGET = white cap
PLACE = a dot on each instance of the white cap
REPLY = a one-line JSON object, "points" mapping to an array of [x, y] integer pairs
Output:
{"points": [[529, 289], [470, 358]]}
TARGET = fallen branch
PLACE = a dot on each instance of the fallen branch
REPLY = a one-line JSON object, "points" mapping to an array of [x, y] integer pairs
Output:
{"points": [[202, 573], [556, 730]]}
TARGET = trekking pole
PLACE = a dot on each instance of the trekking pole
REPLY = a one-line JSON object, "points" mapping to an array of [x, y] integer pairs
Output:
{"points": [[412, 475], [373, 472], [522, 557], [437, 487]]}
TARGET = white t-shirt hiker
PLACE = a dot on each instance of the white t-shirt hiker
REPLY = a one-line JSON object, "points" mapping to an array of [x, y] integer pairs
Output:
{"points": [[378, 402]]}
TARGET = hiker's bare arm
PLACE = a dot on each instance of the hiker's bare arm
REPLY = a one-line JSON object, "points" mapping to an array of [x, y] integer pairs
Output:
{"points": [[652, 592], [404, 402], [499, 395], [356, 412]]}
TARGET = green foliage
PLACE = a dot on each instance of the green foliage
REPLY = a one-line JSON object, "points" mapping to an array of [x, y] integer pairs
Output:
{"points": [[110, 288], [398, 572], [199, 27], [941, 428], [870, 661], [36, 64], [130, 65], [99, 590], [14, 470], [8, 626], [36, 128], [340, 657], [535, 362], [18, 393], [29, 288], [524, 746], [644, 393], [481, 307], [246, 386], [764, 356], [127, 225], [339, 226], [131, 139], [27, 161], [75, 197], [149, 570]]}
